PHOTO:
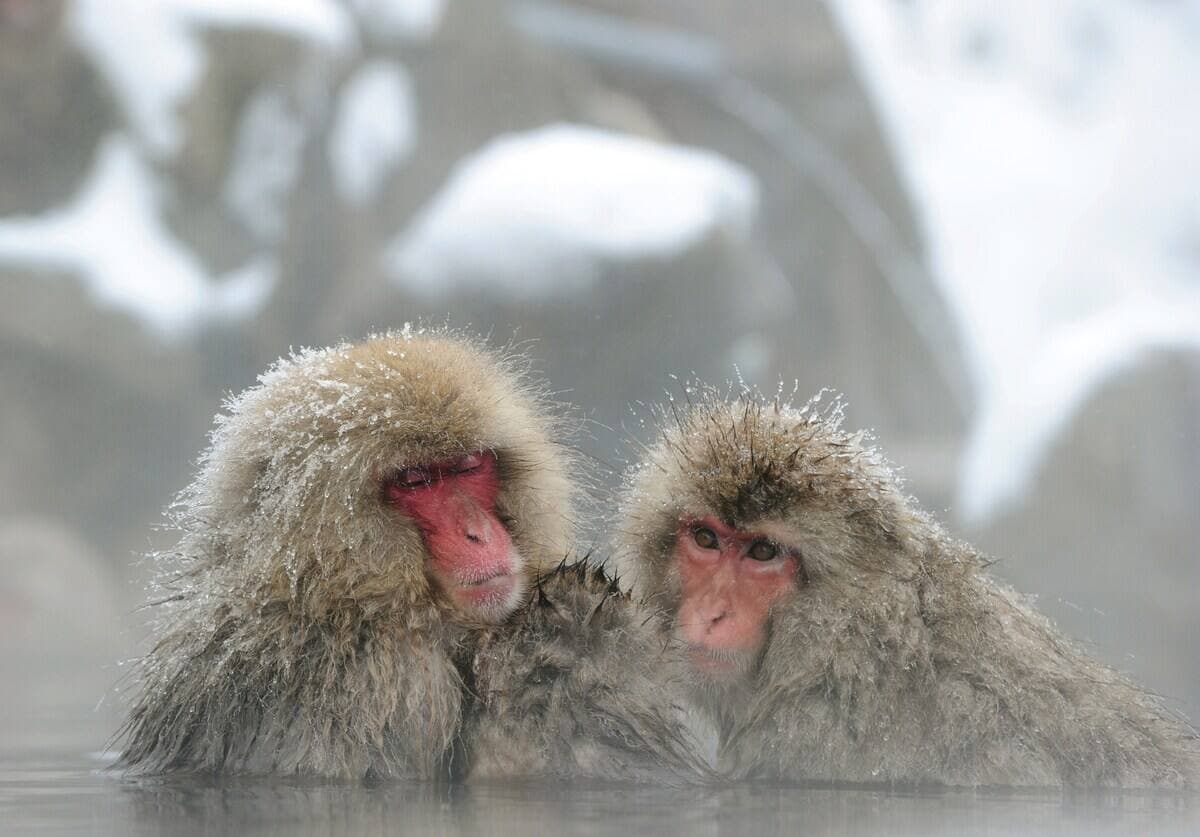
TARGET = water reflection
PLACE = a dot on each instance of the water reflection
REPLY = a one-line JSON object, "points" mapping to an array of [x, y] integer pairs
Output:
{"points": [[52, 780], [66, 800], [522, 808]]}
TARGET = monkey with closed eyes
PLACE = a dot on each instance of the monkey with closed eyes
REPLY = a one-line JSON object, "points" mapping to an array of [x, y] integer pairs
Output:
{"points": [[370, 559]]}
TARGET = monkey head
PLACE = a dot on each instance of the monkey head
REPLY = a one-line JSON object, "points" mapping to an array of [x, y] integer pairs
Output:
{"points": [[740, 510], [410, 470]]}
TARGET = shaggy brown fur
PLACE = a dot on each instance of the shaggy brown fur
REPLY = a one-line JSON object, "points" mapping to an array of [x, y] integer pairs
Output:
{"points": [[300, 633], [581, 683], [896, 658]]}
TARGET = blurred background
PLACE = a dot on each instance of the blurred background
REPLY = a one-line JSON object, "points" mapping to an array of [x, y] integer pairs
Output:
{"points": [[978, 221]]}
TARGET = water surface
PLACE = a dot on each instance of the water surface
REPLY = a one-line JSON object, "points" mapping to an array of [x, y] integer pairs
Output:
{"points": [[53, 781]]}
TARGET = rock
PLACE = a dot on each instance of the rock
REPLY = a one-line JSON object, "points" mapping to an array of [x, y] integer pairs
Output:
{"points": [[1107, 537]]}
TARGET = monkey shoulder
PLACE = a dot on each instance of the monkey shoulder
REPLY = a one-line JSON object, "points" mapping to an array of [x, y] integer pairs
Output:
{"points": [[275, 694]]}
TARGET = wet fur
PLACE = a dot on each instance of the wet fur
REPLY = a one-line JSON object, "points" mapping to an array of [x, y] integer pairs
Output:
{"points": [[581, 683], [898, 659], [296, 631]]}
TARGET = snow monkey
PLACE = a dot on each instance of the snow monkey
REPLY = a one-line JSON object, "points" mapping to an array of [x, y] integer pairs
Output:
{"points": [[362, 516], [835, 632]]}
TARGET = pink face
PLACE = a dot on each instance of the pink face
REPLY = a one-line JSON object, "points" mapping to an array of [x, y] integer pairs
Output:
{"points": [[471, 556], [729, 578]]}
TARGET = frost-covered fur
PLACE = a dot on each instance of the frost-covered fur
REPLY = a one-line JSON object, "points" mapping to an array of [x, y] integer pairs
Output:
{"points": [[297, 632], [897, 658], [581, 683]]}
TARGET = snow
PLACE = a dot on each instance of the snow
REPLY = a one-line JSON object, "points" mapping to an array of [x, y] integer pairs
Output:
{"points": [[266, 163], [1022, 416], [401, 19], [112, 237], [151, 53], [1053, 159], [537, 213], [374, 130]]}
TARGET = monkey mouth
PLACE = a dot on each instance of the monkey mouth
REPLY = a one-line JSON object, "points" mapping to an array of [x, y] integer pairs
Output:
{"points": [[718, 662], [492, 597], [492, 578], [488, 588], [496, 590]]}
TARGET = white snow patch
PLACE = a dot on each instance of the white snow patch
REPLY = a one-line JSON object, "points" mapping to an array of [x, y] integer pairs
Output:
{"points": [[1022, 415], [401, 19], [111, 236], [537, 213], [374, 130], [266, 163], [1052, 154], [151, 53]]}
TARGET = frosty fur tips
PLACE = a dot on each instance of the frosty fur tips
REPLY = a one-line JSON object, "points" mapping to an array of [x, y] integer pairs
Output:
{"points": [[297, 630], [894, 657]]}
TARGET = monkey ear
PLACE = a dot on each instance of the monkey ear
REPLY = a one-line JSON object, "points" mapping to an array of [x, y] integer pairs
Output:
{"points": [[245, 483], [877, 524]]}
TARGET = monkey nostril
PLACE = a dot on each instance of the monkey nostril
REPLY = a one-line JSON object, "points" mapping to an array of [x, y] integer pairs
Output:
{"points": [[473, 538]]}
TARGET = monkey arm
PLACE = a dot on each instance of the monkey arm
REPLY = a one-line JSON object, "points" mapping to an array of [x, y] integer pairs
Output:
{"points": [[579, 684]]}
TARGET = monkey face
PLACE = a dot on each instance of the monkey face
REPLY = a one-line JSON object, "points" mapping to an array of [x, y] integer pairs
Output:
{"points": [[412, 474], [728, 580], [471, 557], [734, 513]]}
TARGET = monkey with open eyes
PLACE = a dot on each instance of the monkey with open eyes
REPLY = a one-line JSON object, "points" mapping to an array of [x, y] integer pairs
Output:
{"points": [[356, 564], [835, 632]]}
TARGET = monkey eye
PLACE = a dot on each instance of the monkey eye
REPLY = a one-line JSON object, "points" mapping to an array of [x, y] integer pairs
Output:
{"points": [[705, 538], [763, 551], [470, 462], [413, 477]]}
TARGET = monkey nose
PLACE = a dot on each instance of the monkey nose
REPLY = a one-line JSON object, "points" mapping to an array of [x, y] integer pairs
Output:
{"points": [[477, 529], [706, 625], [709, 614], [475, 524]]}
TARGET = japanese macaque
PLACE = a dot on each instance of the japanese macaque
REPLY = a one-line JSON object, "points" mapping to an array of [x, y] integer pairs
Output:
{"points": [[362, 516], [835, 632], [354, 515]]}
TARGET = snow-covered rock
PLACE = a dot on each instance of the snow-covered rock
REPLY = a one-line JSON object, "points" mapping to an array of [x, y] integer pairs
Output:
{"points": [[401, 19], [1050, 150], [152, 56], [112, 237], [266, 163], [1022, 416], [1107, 533], [374, 130], [539, 213]]}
